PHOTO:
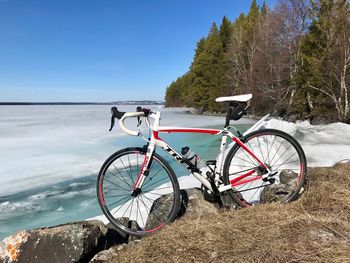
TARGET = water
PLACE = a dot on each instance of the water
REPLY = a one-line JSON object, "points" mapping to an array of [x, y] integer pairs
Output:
{"points": [[50, 157]]}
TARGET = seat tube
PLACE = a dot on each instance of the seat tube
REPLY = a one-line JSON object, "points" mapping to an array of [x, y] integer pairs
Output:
{"points": [[221, 155]]}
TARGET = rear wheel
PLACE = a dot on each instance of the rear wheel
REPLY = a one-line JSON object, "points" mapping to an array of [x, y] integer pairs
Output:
{"points": [[146, 209], [281, 153]]}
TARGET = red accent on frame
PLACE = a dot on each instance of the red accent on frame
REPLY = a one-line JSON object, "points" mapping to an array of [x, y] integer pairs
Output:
{"points": [[154, 229], [101, 196], [139, 176], [301, 171], [190, 130], [155, 135], [241, 177], [238, 141], [247, 180]]}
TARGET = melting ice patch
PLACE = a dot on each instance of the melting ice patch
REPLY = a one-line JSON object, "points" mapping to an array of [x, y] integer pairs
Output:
{"points": [[324, 145]]}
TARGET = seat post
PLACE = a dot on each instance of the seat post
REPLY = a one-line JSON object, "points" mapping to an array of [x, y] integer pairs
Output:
{"points": [[228, 115]]}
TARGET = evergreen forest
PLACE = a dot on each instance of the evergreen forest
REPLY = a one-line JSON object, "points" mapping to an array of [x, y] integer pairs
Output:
{"points": [[294, 59]]}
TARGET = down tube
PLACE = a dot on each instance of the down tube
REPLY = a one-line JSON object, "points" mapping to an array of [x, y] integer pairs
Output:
{"points": [[167, 148]]}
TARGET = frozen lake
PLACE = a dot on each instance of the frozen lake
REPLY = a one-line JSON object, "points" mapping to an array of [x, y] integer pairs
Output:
{"points": [[50, 156]]}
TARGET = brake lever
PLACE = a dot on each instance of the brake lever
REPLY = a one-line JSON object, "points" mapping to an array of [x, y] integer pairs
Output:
{"points": [[139, 121], [112, 123], [115, 114]]}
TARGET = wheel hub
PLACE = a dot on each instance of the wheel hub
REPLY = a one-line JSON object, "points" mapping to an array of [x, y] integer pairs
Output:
{"points": [[136, 192]]}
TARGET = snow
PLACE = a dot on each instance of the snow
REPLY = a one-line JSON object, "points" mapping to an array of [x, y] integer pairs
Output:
{"points": [[324, 145]]}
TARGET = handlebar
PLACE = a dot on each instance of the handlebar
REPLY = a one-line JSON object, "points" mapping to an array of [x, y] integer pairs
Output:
{"points": [[141, 112], [129, 115]]}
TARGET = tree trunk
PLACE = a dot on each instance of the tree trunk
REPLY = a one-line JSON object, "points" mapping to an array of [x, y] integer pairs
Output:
{"points": [[343, 87]]}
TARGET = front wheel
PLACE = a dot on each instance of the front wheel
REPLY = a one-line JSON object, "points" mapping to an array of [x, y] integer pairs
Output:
{"points": [[146, 209], [283, 156]]}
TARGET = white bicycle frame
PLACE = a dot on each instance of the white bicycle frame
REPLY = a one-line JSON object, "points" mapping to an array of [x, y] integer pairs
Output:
{"points": [[155, 140]]}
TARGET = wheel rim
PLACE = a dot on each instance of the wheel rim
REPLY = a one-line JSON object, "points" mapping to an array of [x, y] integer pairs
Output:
{"points": [[277, 153], [136, 211]]}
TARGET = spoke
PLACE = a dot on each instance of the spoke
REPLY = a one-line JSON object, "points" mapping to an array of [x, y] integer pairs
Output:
{"points": [[150, 210], [286, 160], [137, 211], [150, 192], [243, 160], [251, 149], [116, 196], [262, 155], [155, 182], [133, 183], [296, 161], [118, 201], [282, 155], [144, 225], [149, 199], [117, 185], [127, 210], [268, 153], [121, 205], [243, 170], [277, 150], [252, 161], [113, 189], [247, 187], [165, 187], [267, 149], [252, 197], [150, 178], [126, 169], [245, 190], [121, 175], [132, 205]]}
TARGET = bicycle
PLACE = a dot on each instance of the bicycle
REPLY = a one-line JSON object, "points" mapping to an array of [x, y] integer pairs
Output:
{"points": [[139, 192]]}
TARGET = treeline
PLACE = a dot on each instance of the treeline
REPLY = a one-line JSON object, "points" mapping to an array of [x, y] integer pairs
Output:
{"points": [[294, 59]]}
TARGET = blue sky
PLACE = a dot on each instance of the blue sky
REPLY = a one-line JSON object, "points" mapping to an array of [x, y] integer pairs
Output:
{"points": [[101, 50]]}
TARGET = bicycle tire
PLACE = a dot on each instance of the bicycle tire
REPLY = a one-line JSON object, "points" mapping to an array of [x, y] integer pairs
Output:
{"points": [[120, 184], [290, 178]]}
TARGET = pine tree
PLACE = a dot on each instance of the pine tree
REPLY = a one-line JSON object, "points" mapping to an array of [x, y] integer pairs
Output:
{"points": [[225, 32]]}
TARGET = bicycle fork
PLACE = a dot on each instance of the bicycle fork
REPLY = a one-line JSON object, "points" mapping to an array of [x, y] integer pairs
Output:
{"points": [[144, 171]]}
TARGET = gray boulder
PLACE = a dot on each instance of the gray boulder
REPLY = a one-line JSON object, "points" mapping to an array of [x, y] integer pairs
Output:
{"points": [[278, 191], [73, 242], [192, 202]]}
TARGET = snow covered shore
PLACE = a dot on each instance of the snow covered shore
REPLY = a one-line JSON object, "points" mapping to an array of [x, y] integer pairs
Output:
{"points": [[324, 145]]}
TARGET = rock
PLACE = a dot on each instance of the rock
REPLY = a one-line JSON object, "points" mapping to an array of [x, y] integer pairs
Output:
{"points": [[159, 210], [277, 192], [127, 223], [292, 118], [299, 135], [105, 255], [197, 111], [288, 177], [273, 193], [193, 202], [73, 242]]}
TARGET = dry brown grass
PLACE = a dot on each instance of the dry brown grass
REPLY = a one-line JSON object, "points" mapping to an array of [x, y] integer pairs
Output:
{"points": [[315, 228]]}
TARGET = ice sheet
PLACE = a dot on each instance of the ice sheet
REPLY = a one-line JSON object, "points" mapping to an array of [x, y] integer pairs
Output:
{"points": [[41, 145]]}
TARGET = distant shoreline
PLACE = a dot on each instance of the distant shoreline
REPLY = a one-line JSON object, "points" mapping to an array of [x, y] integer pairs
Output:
{"points": [[143, 102]]}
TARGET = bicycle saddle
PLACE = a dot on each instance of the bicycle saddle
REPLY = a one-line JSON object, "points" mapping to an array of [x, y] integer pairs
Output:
{"points": [[237, 98]]}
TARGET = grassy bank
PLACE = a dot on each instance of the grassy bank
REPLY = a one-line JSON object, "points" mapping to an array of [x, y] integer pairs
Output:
{"points": [[316, 228]]}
